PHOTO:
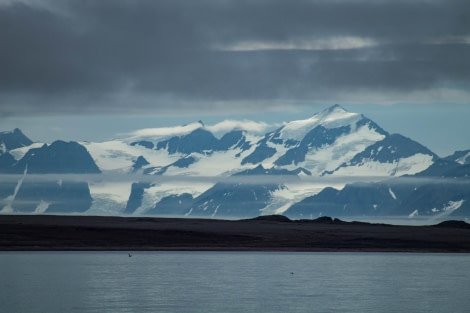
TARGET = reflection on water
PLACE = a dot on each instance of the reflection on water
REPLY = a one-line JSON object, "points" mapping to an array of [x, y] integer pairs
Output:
{"points": [[233, 282]]}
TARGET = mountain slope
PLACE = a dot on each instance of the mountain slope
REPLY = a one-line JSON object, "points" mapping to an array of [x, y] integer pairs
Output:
{"points": [[319, 144], [440, 191], [395, 155]]}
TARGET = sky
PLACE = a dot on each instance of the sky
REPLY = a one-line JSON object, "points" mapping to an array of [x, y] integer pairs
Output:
{"points": [[95, 70]]}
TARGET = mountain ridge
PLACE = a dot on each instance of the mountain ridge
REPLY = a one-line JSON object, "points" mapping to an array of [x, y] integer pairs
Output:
{"points": [[334, 144]]}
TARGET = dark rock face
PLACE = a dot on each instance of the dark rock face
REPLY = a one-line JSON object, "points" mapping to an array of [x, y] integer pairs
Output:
{"points": [[181, 163], [203, 141], [233, 139], [462, 171], [316, 138], [197, 141], [243, 200], [184, 162], [60, 197], [60, 157], [14, 139], [390, 149], [144, 143], [135, 198], [139, 163], [7, 188], [439, 168], [7, 161], [262, 151], [261, 171]]}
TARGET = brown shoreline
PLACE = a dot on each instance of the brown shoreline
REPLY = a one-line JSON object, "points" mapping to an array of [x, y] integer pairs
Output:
{"points": [[99, 233]]}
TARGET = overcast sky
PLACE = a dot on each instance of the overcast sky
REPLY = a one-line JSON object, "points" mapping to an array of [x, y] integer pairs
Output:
{"points": [[122, 65]]}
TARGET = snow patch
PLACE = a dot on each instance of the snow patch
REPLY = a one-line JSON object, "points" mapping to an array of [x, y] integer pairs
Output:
{"points": [[215, 211], [157, 192], [42, 207], [411, 165], [463, 159], [118, 155], [392, 193], [452, 206], [116, 191], [218, 163], [19, 153], [291, 193], [329, 158], [447, 209]]}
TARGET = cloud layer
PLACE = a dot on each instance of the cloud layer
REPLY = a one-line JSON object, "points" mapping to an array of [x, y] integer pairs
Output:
{"points": [[312, 181], [162, 57]]}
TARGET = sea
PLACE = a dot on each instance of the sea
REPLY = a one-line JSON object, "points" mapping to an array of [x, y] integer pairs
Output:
{"points": [[49, 282]]}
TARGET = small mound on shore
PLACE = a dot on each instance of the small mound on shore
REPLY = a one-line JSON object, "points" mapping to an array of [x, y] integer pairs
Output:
{"points": [[453, 224], [272, 218]]}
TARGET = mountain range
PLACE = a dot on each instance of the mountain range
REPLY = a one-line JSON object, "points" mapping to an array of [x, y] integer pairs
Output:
{"points": [[335, 163]]}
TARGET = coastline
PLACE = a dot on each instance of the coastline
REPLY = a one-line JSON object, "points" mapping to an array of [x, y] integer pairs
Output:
{"points": [[268, 233]]}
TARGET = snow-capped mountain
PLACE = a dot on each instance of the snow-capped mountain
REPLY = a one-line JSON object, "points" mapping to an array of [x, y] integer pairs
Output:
{"points": [[303, 168], [26, 188]]}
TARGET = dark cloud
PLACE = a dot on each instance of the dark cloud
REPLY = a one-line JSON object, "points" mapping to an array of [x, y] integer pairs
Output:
{"points": [[104, 56]]}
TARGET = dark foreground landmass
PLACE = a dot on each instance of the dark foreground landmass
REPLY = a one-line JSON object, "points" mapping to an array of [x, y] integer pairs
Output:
{"points": [[267, 233]]}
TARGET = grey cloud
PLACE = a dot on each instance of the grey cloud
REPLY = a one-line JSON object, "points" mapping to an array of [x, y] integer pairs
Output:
{"points": [[105, 56]]}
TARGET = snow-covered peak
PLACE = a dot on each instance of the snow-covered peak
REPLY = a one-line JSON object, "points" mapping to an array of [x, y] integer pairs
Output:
{"points": [[337, 115], [333, 117]]}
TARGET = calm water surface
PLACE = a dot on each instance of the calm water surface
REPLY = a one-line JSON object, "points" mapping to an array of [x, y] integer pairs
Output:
{"points": [[233, 282]]}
